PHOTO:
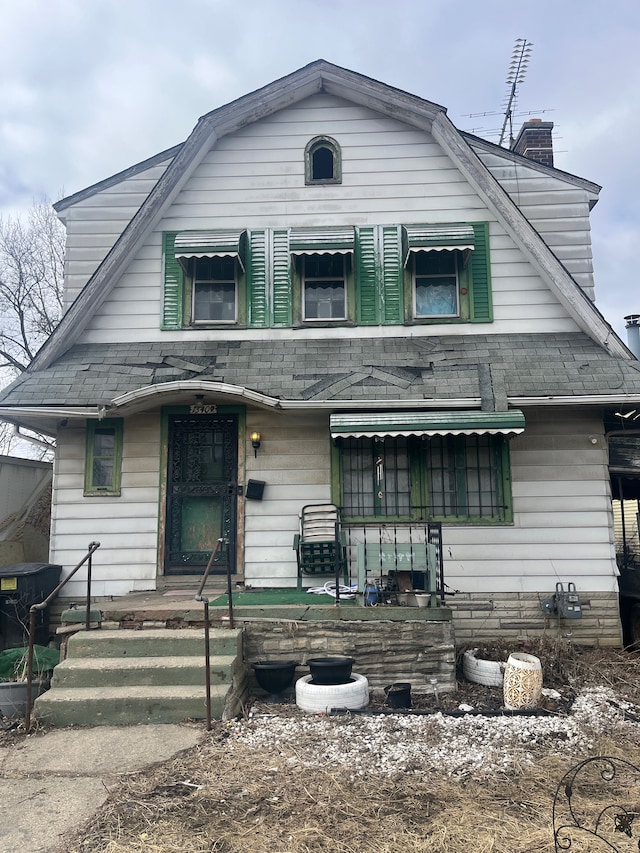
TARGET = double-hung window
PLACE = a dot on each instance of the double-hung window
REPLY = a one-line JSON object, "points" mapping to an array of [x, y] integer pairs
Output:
{"points": [[103, 457], [215, 290], [322, 260], [437, 257], [436, 291], [324, 287], [211, 265]]}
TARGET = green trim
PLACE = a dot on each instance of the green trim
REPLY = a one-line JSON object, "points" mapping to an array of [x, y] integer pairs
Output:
{"points": [[481, 302], [196, 244], [257, 278], [173, 275], [392, 275], [455, 235], [281, 271], [109, 427], [321, 239], [366, 274], [380, 424]]}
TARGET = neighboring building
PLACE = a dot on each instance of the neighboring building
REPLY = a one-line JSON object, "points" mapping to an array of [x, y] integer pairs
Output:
{"points": [[404, 313], [25, 510]]}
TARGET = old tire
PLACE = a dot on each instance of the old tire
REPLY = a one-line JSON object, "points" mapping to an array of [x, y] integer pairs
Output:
{"points": [[490, 673], [322, 698]]}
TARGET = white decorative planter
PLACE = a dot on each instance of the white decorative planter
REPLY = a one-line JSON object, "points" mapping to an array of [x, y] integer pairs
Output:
{"points": [[522, 684]]}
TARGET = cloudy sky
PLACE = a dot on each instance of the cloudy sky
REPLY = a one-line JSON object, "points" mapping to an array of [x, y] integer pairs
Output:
{"points": [[90, 87]]}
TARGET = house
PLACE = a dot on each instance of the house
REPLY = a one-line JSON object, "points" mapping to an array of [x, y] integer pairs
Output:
{"points": [[328, 293]]}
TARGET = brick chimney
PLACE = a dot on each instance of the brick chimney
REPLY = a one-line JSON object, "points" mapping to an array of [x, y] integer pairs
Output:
{"points": [[534, 141]]}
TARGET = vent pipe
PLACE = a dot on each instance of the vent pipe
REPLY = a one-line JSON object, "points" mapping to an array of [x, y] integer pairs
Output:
{"points": [[633, 333]]}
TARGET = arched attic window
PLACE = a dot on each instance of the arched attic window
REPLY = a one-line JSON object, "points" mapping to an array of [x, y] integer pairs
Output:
{"points": [[322, 161]]}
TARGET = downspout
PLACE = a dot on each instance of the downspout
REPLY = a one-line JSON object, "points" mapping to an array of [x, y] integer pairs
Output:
{"points": [[31, 439]]}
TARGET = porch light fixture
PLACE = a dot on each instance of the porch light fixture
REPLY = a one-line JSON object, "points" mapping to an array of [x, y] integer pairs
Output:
{"points": [[255, 442]]}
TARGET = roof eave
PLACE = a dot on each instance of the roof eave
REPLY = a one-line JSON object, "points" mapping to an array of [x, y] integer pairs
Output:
{"points": [[64, 203], [589, 186], [527, 238]]}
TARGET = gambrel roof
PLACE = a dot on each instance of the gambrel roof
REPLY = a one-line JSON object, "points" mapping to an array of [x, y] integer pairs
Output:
{"points": [[322, 76]]}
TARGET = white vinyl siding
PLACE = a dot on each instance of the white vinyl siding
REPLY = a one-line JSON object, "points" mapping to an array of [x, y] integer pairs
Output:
{"points": [[555, 208], [562, 528], [561, 501], [294, 462], [391, 174], [94, 224], [126, 526]]}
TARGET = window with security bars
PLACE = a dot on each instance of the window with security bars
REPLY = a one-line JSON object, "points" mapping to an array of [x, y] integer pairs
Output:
{"points": [[446, 478]]}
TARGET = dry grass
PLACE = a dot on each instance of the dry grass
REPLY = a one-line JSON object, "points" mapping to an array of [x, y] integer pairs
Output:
{"points": [[248, 801], [240, 808]]}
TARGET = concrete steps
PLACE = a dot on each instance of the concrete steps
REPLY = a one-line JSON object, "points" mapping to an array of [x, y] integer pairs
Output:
{"points": [[155, 675]]}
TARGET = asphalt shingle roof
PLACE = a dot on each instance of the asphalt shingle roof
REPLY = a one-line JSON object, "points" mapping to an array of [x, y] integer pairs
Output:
{"points": [[384, 369]]}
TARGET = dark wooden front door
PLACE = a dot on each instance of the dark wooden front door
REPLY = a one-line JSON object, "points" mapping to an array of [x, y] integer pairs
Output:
{"points": [[201, 492]]}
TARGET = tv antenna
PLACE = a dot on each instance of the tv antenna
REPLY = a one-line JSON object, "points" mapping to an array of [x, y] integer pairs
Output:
{"points": [[517, 72]]}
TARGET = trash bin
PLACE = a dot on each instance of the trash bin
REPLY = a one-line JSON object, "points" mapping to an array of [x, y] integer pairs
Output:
{"points": [[21, 586]]}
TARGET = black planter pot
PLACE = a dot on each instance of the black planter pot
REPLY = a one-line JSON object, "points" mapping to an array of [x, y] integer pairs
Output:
{"points": [[274, 676], [330, 670], [399, 694]]}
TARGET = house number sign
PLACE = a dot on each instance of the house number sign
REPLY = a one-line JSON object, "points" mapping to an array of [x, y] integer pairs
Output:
{"points": [[203, 409]]}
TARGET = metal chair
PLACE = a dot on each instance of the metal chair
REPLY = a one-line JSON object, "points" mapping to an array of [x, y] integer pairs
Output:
{"points": [[320, 544]]}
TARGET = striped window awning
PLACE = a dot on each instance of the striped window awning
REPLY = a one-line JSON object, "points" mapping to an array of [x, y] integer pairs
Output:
{"points": [[437, 238], [322, 241], [381, 424], [211, 244]]}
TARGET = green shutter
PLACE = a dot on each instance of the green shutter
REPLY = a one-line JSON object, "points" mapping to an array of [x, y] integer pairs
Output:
{"points": [[481, 303], [392, 275], [173, 284], [281, 279], [366, 277], [257, 280]]}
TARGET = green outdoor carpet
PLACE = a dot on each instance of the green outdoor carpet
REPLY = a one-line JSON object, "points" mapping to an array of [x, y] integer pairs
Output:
{"points": [[265, 597]]}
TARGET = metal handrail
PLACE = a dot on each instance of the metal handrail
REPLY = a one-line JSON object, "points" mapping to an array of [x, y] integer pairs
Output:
{"points": [[205, 601], [93, 546]]}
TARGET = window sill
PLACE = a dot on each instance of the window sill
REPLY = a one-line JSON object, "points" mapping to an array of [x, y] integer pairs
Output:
{"points": [[97, 493], [194, 327], [324, 324], [451, 522]]}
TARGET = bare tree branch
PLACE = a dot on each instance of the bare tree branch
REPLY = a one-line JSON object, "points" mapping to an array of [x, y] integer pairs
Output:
{"points": [[31, 276]]}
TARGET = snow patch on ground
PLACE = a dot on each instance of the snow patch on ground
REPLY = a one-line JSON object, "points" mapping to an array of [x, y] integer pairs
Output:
{"points": [[457, 746]]}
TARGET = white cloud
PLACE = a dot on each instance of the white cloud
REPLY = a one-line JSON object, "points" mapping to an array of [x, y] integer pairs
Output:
{"points": [[87, 89]]}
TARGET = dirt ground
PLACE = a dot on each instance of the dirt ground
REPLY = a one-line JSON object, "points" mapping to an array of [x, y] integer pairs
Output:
{"points": [[435, 779]]}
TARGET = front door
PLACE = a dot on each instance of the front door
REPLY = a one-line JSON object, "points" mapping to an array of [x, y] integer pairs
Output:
{"points": [[201, 492]]}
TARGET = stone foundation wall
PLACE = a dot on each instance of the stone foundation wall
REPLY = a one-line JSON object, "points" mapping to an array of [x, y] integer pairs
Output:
{"points": [[512, 615], [384, 652]]}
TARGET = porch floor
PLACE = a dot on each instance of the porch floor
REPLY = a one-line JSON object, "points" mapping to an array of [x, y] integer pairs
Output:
{"points": [[178, 606]]}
